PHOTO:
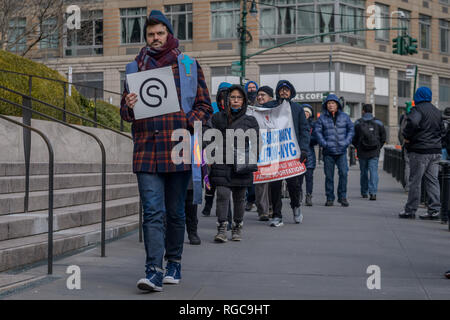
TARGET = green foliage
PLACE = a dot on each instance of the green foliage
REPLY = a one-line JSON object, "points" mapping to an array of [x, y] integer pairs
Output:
{"points": [[51, 92]]}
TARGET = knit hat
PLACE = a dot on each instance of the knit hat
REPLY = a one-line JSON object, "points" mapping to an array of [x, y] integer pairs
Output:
{"points": [[308, 109], [159, 16], [267, 90]]}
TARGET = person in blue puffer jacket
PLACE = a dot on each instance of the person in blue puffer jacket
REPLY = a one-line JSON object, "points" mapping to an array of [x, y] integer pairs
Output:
{"points": [[334, 132], [311, 160]]}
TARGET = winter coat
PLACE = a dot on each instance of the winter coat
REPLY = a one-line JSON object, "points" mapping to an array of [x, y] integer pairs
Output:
{"points": [[301, 125], [223, 174], [367, 154], [152, 137], [334, 137], [311, 160], [424, 125]]}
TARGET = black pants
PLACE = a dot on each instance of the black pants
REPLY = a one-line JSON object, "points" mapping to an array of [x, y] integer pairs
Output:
{"points": [[191, 213], [293, 185]]}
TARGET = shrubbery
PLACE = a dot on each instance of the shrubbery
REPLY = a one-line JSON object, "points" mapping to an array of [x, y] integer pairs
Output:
{"points": [[51, 92]]}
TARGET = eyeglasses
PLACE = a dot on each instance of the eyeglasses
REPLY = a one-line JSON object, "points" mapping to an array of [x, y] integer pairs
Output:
{"points": [[236, 98]]}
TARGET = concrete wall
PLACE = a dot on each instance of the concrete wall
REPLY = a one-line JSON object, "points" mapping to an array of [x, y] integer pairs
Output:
{"points": [[69, 145]]}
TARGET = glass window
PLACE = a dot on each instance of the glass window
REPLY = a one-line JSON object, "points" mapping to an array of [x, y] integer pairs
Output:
{"points": [[16, 34], [90, 81], [306, 20], [326, 22], [404, 85], [424, 80], [424, 29], [405, 22], [385, 23], [180, 15], [444, 90], [132, 25], [225, 17], [50, 34], [444, 36], [89, 39], [352, 18]]}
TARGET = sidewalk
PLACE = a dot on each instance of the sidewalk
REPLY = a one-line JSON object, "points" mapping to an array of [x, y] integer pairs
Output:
{"points": [[326, 257]]}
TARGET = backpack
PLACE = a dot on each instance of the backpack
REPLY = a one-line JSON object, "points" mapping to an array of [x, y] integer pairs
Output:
{"points": [[370, 135]]}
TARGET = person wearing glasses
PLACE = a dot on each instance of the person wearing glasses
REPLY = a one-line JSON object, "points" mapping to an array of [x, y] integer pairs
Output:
{"points": [[230, 179]]}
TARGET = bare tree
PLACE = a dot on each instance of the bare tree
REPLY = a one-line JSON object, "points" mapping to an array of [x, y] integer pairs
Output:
{"points": [[37, 13]]}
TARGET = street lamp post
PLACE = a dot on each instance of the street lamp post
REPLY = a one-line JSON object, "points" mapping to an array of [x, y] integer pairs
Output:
{"points": [[243, 43]]}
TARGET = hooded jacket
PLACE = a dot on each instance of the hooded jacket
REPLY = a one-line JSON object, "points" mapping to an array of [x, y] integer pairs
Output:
{"points": [[424, 125], [334, 135], [367, 154], [301, 125], [311, 160], [223, 174], [251, 96]]}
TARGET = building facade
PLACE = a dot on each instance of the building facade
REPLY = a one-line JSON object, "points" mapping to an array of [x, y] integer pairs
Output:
{"points": [[358, 66]]}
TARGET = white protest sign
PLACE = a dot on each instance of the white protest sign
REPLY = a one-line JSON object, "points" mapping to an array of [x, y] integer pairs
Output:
{"points": [[279, 157], [156, 91]]}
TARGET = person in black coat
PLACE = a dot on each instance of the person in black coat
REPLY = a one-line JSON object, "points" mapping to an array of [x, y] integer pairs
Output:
{"points": [[423, 135], [226, 176]]}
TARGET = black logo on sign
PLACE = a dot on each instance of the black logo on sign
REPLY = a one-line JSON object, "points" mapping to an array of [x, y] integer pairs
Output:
{"points": [[146, 95]]}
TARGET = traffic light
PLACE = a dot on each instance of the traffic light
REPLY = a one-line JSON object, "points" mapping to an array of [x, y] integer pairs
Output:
{"points": [[411, 46], [398, 46]]}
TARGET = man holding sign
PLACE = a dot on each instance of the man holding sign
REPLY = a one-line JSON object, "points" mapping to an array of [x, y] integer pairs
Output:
{"points": [[165, 91]]}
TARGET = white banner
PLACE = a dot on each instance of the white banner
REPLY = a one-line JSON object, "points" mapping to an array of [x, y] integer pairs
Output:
{"points": [[279, 156], [156, 91]]}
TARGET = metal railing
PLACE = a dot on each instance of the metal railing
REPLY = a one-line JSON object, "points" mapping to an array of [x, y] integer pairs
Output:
{"points": [[64, 85], [103, 152], [51, 163], [82, 118]]}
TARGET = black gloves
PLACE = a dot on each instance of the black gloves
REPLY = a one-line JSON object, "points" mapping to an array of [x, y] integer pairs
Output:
{"points": [[303, 157]]}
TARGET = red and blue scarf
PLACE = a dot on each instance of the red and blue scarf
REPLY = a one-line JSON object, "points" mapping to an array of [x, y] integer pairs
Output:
{"points": [[151, 58]]}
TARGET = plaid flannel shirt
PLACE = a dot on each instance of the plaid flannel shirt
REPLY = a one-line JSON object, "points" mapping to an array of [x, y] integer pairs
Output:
{"points": [[152, 136]]}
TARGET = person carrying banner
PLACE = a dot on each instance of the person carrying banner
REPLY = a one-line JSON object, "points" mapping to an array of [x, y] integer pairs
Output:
{"points": [[162, 183], [231, 179], [286, 91], [265, 100], [334, 132], [311, 160]]}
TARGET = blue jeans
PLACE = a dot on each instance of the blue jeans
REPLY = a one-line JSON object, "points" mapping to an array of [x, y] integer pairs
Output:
{"points": [[163, 196], [369, 166], [309, 177], [445, 155], [341, 162]]}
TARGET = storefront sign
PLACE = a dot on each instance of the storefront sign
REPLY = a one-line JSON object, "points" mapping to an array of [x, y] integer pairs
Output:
{"points": [[309, 96]]}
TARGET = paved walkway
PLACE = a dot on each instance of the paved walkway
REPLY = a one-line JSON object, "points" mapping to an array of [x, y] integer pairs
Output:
{"points": [[326, 257]]}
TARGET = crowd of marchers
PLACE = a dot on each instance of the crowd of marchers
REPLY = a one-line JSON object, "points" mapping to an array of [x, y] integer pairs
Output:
{"points": [[171, 193]]}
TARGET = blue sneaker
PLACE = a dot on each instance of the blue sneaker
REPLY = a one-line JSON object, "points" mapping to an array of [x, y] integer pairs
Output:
{"points": [[173, 273], [152, 282]]}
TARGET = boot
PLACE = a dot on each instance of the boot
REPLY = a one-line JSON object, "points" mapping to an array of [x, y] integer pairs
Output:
{"points": [[221, 235], [308, 200], [193, 237], [298, 216], [208, 205], [236, 231]]}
